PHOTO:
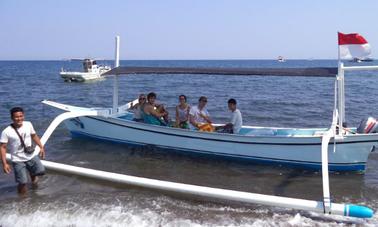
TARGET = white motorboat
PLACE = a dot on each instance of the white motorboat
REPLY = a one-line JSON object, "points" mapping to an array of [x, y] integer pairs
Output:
{"points": [[359, 60], [92, 71], [281, 59]]}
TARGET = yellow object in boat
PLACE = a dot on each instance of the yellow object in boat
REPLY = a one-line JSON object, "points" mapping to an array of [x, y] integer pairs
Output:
{"points": [[206, 128]]}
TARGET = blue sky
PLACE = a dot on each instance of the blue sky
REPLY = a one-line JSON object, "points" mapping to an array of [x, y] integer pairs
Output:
{"points": [[179, 29]]}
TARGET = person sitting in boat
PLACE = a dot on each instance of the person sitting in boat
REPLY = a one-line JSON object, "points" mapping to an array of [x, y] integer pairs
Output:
{"points": [[152, 114], [182, 113], [160, 108], [236, 120], [138, 108], [199, 117]]}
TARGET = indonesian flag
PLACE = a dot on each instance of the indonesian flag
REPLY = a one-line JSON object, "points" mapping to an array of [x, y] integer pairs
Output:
{"points": [[353, 46]]}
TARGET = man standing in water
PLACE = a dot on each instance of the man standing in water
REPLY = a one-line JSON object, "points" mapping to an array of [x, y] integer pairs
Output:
{"points": [[17, 139]]}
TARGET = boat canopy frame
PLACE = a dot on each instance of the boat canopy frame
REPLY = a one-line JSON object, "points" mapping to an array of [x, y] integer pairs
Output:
{"points": [[338, 73]]}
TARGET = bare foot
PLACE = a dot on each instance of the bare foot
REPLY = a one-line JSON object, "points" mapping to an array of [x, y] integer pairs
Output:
{"points": [[34, 180], [21, 188]]}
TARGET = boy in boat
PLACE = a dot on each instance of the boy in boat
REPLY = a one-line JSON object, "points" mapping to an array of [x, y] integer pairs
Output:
{"points": [[17, 138], [236, 120], [199, 116], [152, 114]]}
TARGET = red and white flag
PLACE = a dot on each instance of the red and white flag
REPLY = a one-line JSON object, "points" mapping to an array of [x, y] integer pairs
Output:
{"points": [[353, 46]]}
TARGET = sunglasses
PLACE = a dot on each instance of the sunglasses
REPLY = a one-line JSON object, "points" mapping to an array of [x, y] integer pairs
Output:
{"points": [[142, 98], [203, 101]]}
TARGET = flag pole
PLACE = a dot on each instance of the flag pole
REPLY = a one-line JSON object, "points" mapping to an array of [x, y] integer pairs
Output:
{"points": [[341, 94], [338, 47]]}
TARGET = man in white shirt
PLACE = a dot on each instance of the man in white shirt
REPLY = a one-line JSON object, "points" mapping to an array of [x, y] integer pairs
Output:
{"points": [[236, 120], [16, 138], [199, 115]]}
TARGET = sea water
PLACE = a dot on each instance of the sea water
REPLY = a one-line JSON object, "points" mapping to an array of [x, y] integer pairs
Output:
{"points": [[65, 200]]}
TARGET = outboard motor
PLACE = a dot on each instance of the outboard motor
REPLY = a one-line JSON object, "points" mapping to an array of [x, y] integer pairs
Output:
{"points": [[368, 125]]}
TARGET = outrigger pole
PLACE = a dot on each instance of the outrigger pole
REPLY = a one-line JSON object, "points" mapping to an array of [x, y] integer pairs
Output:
{"points": [[324, 154], [115, 89], [341, 96]]}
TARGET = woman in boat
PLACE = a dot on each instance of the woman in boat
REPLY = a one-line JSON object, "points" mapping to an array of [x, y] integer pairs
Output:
{"points": [[198, 115], [153, 114], [138, 108], [182, 113]]}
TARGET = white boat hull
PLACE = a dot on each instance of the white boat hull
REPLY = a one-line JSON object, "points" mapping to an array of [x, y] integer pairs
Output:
{"points": [[302, 151], [81, 76]]}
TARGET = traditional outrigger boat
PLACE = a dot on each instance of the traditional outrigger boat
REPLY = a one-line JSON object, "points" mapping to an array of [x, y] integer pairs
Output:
{"points": [[303, 147], [299, 147]]}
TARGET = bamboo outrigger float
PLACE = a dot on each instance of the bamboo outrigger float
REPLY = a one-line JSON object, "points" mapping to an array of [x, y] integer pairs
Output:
{"points": [[116, 123]]}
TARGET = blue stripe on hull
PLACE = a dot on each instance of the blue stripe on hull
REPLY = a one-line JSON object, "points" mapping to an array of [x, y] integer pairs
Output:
{"points": [[283, 162]]}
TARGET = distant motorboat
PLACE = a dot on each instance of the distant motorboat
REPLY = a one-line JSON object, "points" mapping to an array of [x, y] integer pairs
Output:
{"points": [[281, 59], [358, 60], [92, 71]]}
